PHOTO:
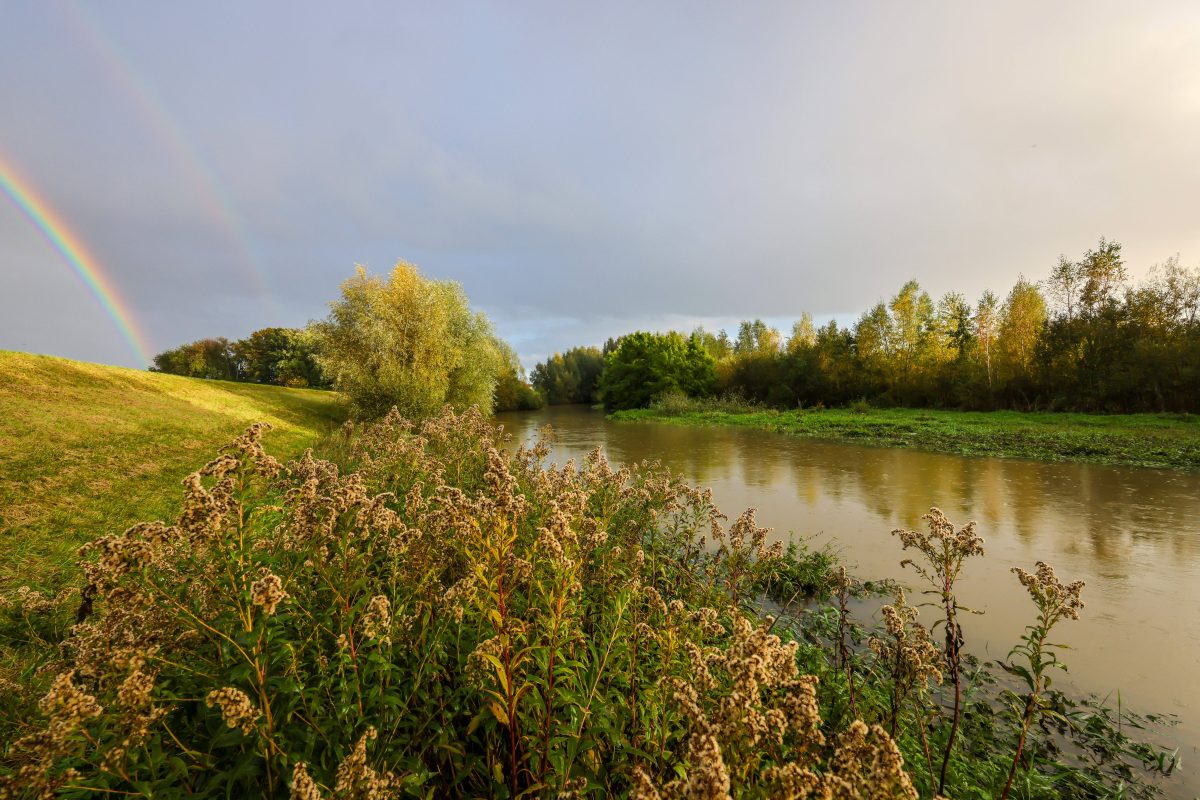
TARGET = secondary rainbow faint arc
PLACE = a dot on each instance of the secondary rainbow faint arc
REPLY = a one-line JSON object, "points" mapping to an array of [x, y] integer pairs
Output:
{"points": [[153, 113], [76, 254]]}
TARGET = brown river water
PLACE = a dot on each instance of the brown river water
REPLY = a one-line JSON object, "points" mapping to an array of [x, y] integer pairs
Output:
{"points": [[1132, 534]]}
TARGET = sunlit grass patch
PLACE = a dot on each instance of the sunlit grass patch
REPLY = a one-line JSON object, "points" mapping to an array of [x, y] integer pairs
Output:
{"points": [[87, 449]]}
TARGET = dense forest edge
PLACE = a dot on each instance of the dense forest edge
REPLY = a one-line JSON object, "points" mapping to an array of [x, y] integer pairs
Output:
{"points": [[1085, 339]]}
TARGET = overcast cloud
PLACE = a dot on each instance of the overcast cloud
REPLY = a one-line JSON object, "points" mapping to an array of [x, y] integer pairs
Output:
{"points": [[584, 169]]}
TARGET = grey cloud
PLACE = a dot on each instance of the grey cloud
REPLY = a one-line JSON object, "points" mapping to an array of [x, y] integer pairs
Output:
{"points": [[624, 165]]}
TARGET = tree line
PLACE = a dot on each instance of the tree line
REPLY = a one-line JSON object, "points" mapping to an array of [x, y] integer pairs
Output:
{"points": [[1084, 338], [403, 341], [278, 356]]}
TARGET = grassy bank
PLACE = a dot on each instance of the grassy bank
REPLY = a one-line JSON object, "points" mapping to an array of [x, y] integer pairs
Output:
{"points": [[87, 449], [1144, 440]]}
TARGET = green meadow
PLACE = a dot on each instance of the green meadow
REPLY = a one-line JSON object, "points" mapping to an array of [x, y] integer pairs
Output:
{"points": [[87, 449], [1143, 440]]}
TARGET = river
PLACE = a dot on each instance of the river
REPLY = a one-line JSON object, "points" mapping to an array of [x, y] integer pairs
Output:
{"points": [[1132, 534]]}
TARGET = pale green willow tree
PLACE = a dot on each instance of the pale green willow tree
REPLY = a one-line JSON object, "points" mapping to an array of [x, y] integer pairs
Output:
{"points": [[409, 342]]}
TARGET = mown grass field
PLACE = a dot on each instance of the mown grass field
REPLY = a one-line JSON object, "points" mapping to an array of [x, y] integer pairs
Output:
{"points": [[1143, 440], [87, 449]]}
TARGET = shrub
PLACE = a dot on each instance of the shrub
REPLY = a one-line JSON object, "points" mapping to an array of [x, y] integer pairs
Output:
{"points": [[646, 365], [450, 619]]}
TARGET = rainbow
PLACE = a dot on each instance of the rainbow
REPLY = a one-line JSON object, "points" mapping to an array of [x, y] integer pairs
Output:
{"points": [[76, 254], [153, 114]]}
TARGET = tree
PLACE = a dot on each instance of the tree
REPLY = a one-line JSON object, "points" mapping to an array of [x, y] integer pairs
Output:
{"points": [[756, 338], [1063, 286], [408, 342], [717, 344], [804, 334], [1177, 291], [954, 317], [873, 339], [914, 335], [513, 393], [1102, 272], [280, 356], [1021, 321], [212, 359], [569, 377], [646, 365], [259, 354], [986, 328]]}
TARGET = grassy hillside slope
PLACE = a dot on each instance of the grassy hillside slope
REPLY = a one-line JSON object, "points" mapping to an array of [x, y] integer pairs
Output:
{"points": [[88, 449]]}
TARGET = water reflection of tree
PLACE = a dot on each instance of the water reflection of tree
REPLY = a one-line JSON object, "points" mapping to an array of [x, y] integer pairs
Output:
{"points": [[1102, 514], [1099, 512]]}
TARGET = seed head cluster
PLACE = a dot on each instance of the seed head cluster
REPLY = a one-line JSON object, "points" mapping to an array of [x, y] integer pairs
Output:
{"points": [[1055, 599]]}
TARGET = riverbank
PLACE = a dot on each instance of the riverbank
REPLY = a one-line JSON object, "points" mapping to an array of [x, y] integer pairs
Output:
{"points": [[1165, 441]]}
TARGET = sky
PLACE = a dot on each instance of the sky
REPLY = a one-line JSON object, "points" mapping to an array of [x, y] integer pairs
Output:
{"points": [[582, 169]]}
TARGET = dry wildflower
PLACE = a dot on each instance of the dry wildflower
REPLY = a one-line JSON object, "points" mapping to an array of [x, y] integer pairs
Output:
{"points": [[67, 705], [377, 620], [117, 556], [249, 447], [792, 781], [646, 632], [1055, 602], [574, 789], [944, 546], [204, 511], [460, 594], [268, 592], [236, 708], [701, 676], [708, 620], [643, 787], [707, 778], [802, 712], [907, 654], [868, 764], [908, 642], [1052, 597], [32, 601], [945, 549], [134, 692], [137, 714], [479, 664], [745, 529], [356, 780], [303, 786], [655, 600]]}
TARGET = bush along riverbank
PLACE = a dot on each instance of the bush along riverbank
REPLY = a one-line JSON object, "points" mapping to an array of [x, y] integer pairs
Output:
{"points": [[442, 618], [1169, 441]]}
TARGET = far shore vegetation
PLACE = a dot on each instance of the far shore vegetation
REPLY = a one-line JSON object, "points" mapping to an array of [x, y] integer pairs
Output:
{"points": [[1142, 440], [1085, 338]]}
